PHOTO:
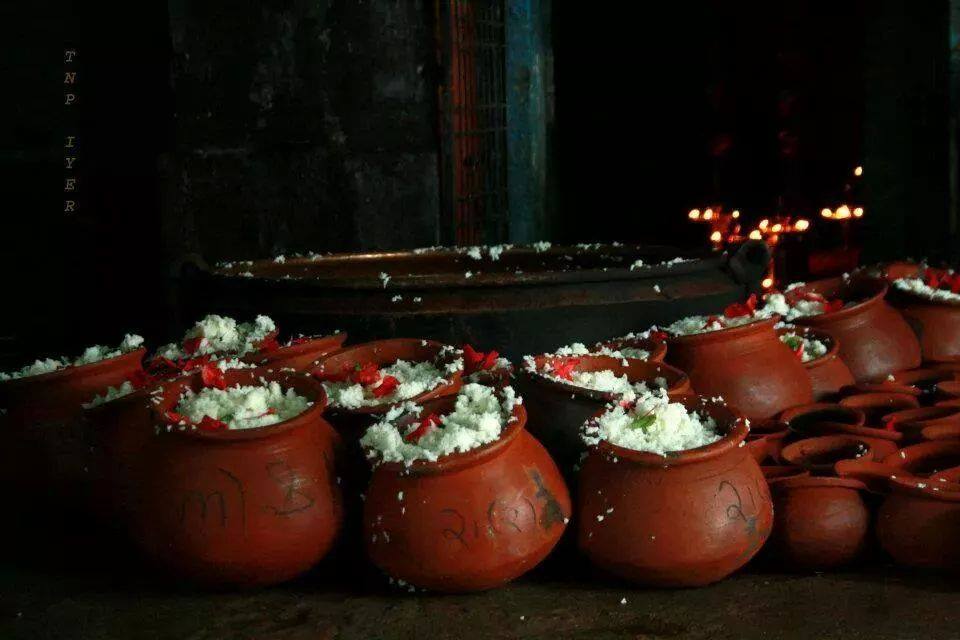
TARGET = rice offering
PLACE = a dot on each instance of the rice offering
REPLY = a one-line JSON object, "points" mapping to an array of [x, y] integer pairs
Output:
{"points": [[90, 355]]}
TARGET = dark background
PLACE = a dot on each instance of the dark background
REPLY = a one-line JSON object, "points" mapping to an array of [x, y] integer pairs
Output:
{"points": [[212, 131]]}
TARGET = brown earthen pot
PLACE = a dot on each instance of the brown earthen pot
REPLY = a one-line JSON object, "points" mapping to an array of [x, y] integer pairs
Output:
{"points": [[876, 405], [922, 460], [747, 365], [874, 338], [688, 519], [558, 409], [936, 323], [302, 356], [351, 423], [766, 439], [919, 522], [829, 374], [469, 521], [656, 348], [832, 419], [46, 442], [240, 508], [821, 522]]}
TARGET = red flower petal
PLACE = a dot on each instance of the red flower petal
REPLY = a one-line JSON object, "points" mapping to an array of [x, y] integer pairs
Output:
{"points": [[211, 424], [955, 283], [931, 278], [387, 386], [365, 375], [190, 345], [659, 336], [428, 423], [799, 351], [212, 376], [192, 364], [332, 376], [489, 360], [174, 418], [833, 305], [471, 359], [736, 310], [563, 367]]}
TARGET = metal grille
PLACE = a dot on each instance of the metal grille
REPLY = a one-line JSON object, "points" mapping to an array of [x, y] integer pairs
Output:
{"points": [[473, 106]]}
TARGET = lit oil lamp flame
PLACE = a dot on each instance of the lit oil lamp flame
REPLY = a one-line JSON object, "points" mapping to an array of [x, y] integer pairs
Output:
{"points": [[694, 214], [801, 225], [858, 171], [767, 283], [755, 234]]}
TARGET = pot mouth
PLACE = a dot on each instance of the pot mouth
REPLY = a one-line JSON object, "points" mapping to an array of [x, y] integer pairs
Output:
{"points": [[759, 325], [411, 349], [871, 291], [645, 371], [880, 404], [833, 346], [77, 371], [736, 426], [926, 458], [460, 459], [923, 416], [313, 390], [822, 412], [823, 452]]}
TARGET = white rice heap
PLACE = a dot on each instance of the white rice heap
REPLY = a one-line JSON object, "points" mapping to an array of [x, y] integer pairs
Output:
{"points": [[603, 380], [222, 335], [96, 353], [478, 418], [654, 425], [812, 348], [699, 324], [918, 287], [414, 378], [580, 349], [243, 407]]}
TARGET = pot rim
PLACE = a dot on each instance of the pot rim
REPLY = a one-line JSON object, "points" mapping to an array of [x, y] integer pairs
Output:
{"points": [[683, 380], [454, 382], [839, 438], [815, 482], [884, 394], [734, 438], [77, 371], [876, 292], [912, 299], [792, 413], [335, 339], [759, 325], [934, 413], [302, 383], [461, 459]]}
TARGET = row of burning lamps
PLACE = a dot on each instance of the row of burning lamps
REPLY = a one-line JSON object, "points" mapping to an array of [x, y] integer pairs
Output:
{"points": [[725, 228]]}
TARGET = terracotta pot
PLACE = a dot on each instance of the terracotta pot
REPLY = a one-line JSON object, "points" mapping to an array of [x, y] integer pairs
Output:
{"points": [[774, 472], [876, 405], [47, 443], [242, 507], [828, 373], [832, 419], [558, 410], [874, 338], [748, 366], [911, 422], [302, 356], [919, 523], [656, 348], [688, 519], [351, 423], [469, 521], [924, 379], [821, 523], [820, 454], [923, 460], [936, 324]]}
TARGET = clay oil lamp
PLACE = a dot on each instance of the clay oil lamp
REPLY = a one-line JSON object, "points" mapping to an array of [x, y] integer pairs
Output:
{"points": [[43, 403], [669, 495], [822, 522], [930, 302], [913, 422], [874, 339], [737, 356], [877, 405], [453, 504], [364, 381], [562, 391], [834, 419], [821, 453], [820, 354], [300, 353], [246, 497]]}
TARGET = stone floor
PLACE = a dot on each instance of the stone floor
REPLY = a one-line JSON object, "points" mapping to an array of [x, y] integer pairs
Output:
{"points": [[77, 600]]}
